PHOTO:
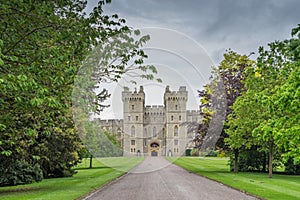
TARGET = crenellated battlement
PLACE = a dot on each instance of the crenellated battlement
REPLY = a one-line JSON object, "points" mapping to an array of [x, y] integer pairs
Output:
{"points": [[180, 95], [154, 106], [109, 121], [155, 110], [135, 95]]}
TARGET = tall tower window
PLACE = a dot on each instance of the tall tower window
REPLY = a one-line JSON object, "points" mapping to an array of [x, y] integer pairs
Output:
{"points": [[154, 132], [132, 142], [132, 107], [176, 107], [128, 118], [136, 118], [132, 131], [176, 131], [172, 118], [179, 117]]}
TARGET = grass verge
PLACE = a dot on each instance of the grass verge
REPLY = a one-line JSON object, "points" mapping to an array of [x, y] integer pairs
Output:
{"points": [[80, 184], [281, 187]]}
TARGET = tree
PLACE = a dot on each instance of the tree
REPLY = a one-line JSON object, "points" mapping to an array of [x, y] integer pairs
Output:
{"points": [[241, 122], [218, 97], [44, 44], [272, 115]]}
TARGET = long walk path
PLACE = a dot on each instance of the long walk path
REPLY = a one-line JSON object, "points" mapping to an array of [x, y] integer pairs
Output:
{"points": [[155, 178]]}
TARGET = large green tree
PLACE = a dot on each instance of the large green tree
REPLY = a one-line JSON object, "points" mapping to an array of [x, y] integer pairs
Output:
{"points": [[43, 45], [265, 116]]}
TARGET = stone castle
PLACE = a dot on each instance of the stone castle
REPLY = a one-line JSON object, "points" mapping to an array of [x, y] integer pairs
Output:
{"points": [[157, 130]]}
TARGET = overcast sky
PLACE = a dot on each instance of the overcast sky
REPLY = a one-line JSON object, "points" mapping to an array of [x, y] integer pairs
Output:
{"points": [[242, 25], [215, 25]]}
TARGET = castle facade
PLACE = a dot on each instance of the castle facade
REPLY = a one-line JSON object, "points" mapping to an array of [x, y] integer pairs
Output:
{"points": [[157, 130]]}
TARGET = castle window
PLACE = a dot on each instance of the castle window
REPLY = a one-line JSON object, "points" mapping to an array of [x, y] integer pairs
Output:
{"points": [[154, 132], [145, 142], [132, 107], [176, 131], [132, 131], [179, 117], [136, 118], [175, 142], [128, 118], [172, 118], [132, 142], [176, 107], [131, 150]]}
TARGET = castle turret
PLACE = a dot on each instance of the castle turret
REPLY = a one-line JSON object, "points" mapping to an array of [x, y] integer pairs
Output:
{"points": [[175, 106], [133, 115]]}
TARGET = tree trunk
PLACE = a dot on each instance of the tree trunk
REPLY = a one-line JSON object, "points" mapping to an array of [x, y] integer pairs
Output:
{"points": [[236, 157], [91, 161], [271, 159]]}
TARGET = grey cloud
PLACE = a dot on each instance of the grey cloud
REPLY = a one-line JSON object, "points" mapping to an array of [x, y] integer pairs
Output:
{"points": [[217, 24]]}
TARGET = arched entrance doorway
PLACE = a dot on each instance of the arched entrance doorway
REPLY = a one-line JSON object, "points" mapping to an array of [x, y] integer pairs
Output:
{"points": [[154, 148]]}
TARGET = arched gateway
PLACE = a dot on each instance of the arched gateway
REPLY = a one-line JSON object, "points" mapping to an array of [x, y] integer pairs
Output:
{"points": [[154, 148]]}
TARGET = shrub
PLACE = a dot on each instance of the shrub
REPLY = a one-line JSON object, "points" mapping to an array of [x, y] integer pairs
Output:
{"points": [[19, 172]]}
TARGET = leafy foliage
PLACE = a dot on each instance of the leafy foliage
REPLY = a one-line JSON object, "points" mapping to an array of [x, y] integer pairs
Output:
{"points": [[43, 45]]}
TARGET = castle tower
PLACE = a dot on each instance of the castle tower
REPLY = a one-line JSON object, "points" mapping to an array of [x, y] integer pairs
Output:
{"points": [[133, 116], [175, 108]]}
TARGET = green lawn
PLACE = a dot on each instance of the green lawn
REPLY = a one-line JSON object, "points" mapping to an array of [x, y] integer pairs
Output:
{"points": [[74, 187], [281, 187]]}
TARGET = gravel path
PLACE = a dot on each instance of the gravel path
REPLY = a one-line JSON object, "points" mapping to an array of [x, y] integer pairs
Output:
{"points": [[155, 178]]}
